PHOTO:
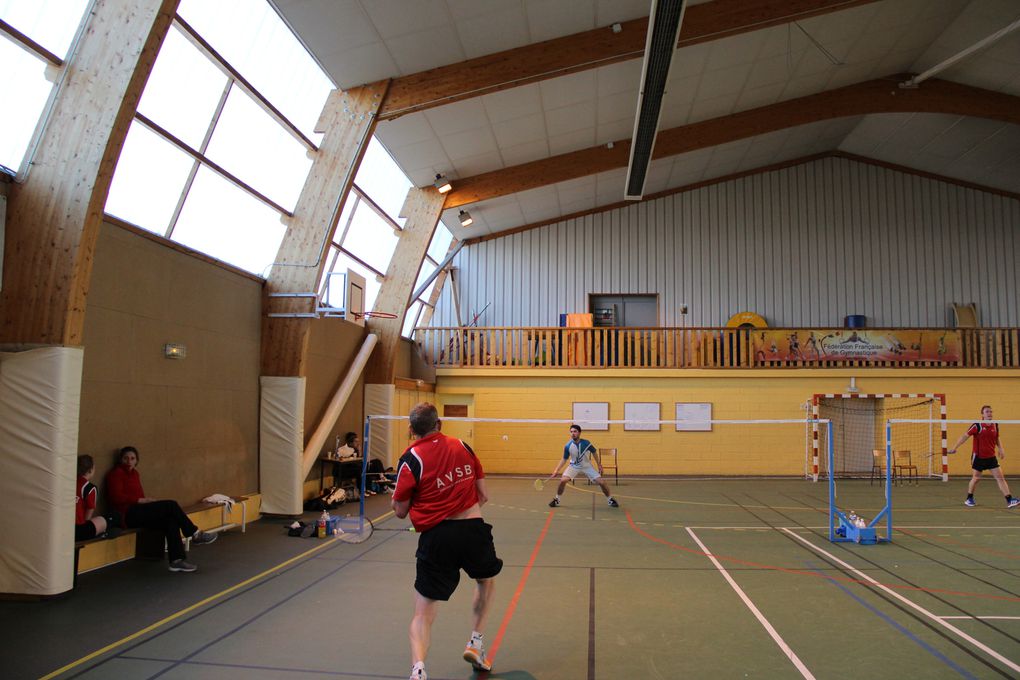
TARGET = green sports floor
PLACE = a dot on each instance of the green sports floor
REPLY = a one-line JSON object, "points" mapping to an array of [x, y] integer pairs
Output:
{"points": [[715, 578]]}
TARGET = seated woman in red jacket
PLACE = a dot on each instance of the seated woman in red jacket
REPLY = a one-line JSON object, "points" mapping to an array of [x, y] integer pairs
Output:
{"points": [[124, 490]]}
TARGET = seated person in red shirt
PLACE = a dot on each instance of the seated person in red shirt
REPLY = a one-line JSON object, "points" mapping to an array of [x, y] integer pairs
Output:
{"points": [[441, 484], [124, 489], [85, 525]]}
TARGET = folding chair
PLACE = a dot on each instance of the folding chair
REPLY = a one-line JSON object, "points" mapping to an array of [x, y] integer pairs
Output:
{"points": [[608, 457], [878, 466], [901, 463]]}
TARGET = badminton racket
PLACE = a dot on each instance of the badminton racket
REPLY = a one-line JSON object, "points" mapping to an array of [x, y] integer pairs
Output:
{"points": [[541, 482], [355, 529]]}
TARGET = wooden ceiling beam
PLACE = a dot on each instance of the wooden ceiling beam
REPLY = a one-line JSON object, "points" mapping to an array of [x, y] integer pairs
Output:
{"points": [[882, 95], [590, 49]]}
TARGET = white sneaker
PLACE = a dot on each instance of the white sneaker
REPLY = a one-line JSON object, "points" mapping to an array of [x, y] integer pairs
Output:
{"points": [[475, 655], [418, 674]]}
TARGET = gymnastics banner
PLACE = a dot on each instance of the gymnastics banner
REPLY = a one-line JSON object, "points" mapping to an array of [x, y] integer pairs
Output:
{"points": [[856, 344]]}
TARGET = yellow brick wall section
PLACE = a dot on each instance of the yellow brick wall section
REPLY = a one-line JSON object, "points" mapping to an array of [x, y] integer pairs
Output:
{"points": [[735, 395]]}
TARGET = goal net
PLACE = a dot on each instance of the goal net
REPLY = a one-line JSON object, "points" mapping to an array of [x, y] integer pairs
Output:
{"points": [[859, 424]]}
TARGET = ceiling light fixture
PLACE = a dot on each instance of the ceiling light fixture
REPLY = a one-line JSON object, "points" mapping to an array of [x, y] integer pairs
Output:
{"points": [[465, 218], [442, 184], [660, 45]]}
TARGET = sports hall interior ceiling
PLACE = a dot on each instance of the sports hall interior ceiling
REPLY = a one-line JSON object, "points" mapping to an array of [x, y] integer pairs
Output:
{"points": [[360, 41]]}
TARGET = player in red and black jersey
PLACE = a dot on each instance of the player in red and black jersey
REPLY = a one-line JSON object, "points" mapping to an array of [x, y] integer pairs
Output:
{"points": [[86, 525], [441, 484], [986, 446]]}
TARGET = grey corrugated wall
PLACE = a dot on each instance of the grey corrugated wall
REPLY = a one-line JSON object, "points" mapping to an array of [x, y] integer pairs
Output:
{"points": [[803, 246]]}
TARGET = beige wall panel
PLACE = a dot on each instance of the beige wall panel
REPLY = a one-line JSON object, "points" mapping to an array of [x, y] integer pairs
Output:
{"points": [[194, 420]]}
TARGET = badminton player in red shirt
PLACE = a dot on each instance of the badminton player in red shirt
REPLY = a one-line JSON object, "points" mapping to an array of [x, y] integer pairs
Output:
{"points": [[986, 445], [441, 484]]}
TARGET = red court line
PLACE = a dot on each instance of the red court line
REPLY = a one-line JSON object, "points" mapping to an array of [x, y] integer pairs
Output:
{"points": [[814, 574], [520, 589]]}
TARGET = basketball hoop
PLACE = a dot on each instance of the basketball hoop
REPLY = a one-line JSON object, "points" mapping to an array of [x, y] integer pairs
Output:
{"points": [[372, 315]]}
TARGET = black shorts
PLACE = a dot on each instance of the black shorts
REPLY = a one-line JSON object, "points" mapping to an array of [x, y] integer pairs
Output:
{"points": [[984, 463], [450, 546], [84, 531]]}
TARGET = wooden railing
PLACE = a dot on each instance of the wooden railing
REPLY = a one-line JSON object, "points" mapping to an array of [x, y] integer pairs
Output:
{"points": [[474, 347]]}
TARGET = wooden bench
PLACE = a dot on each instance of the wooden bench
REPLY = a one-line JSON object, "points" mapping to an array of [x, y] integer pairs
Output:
{"points": [[150, 544]]}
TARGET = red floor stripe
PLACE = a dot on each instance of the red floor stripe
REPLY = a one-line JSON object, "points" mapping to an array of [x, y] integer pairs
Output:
{"points": [[520, 589], [802, 572]]}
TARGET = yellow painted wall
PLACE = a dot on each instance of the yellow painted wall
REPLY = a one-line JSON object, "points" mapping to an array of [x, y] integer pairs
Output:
{"points": [[728, 449]]}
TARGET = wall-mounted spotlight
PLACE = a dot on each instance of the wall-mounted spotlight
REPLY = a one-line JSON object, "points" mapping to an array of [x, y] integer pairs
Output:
{"points": [[465, 218], [174, 350], [442, 184]]}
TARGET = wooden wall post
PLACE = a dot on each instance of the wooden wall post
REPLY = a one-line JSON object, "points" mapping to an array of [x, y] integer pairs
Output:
{"points": [[422, 209], [348, 121]]}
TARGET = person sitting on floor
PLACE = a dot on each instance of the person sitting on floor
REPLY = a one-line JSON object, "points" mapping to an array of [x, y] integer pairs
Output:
{"points": [[86, 525], [124, 488]]}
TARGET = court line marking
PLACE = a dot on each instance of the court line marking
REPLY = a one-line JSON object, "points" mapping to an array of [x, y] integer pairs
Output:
{"points": [[498, 640], [802, 508], [812, 574], [937, 619], [201, 603], [776, 637], [905, 631], [984, 618]]}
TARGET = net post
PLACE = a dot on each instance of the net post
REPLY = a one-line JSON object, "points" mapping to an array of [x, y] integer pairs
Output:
{"points": [[888, 483], [832, 479], [365, 440]]}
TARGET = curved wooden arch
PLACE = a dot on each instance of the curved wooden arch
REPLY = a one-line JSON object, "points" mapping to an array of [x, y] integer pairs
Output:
{"points": [[882, 95]]}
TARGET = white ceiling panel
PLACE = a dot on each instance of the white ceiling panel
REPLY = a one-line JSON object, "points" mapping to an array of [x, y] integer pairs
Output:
{"points": [[494, 31], [568, 118], [409, 129], [526, 152], [513, 103], [614, 132], [359, 65], [548, 19], [477, 164], [457, 117], [572, 141], [469, 143], [394, 18], [365, 40], [520, 130], [566, 90], [613, 11], [425, 49]]}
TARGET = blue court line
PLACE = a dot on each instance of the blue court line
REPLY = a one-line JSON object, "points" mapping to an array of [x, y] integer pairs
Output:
{"points": [[882, 615]]}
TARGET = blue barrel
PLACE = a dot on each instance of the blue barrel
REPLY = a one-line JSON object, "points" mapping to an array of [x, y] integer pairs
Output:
{"points": [[855, 321]]}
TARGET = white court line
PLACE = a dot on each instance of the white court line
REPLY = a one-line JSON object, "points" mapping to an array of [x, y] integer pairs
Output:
{"points": [[937, 619], [754, 610], [822, 527], [983, 618]]}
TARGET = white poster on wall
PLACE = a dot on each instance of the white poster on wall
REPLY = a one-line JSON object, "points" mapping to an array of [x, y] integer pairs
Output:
{"points": [[591, 415], [693, 417], [641, 415]]}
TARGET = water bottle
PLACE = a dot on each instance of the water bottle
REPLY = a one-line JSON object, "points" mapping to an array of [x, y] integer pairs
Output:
{"points": [[323, 521]]}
